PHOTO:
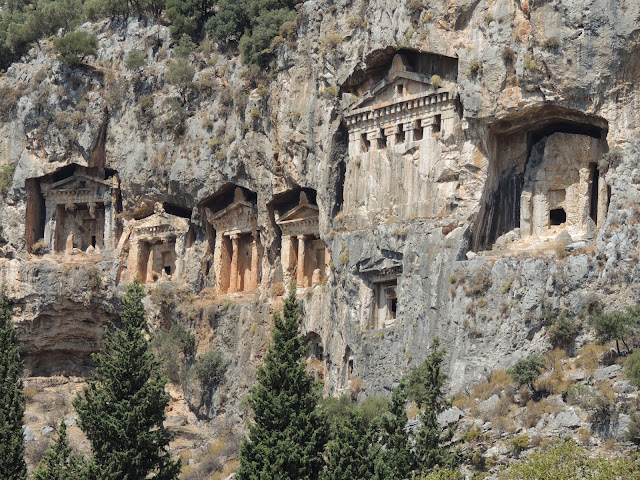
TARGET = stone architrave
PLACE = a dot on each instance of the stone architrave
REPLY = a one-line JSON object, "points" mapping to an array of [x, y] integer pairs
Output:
{"points": [[236, 233], [81, 205], [155, 245], [300, 241]]}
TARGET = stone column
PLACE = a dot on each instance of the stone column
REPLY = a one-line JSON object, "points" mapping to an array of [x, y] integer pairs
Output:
{"points": [[50, 223], [149, 278], [108, 225], [540, 213], [255, 262], [285, 258], [300, 279], [603, 200], [133, 261], [69, 245], [525, 213], [218, 265], [233, 276]]}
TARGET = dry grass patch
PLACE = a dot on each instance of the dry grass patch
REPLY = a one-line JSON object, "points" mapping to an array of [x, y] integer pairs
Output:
{"points": [[534, 411], [589, 357]]}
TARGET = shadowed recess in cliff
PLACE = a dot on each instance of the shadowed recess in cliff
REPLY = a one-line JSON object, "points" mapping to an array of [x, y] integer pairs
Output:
{"points": [[521, 185]]}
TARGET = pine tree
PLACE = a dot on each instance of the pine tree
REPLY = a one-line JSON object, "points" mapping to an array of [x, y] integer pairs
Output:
{"points": [[427, 382], [12, 402], [351, 452], [396, 460], [121, 410], [59, 463], [289, 432]]}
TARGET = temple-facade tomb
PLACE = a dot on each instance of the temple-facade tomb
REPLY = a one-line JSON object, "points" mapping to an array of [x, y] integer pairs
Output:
{"points": [[79, 212], [305, 257], [396, 129], [237, 251], [154, 243], [382, 276]]}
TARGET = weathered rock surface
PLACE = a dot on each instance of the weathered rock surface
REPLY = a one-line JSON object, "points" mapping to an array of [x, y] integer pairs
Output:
{"points": [[427, 230]]}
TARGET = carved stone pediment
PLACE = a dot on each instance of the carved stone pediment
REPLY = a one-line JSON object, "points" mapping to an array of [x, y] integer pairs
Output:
{"points": [[77, 188], [239, 217], [402, 86], [385, 267], [160, 225], [300, 220]]}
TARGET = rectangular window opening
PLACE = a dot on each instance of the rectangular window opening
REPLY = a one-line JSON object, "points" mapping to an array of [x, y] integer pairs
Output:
{"points": [[365, 144], [557, 216], [436, 126]]}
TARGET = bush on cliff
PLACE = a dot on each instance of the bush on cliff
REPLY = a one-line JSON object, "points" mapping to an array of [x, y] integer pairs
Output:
{"points": [[75, 46]]}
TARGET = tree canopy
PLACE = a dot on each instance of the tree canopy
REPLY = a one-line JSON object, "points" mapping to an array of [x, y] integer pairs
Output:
{"points": [[121, 410], [287, 437], [12, 401]]}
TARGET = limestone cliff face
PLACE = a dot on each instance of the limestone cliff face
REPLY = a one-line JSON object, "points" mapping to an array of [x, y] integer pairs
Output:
{"points": [[472, 163]]}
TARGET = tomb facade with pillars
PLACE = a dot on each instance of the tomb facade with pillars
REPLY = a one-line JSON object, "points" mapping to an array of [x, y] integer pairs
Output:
{"points": [[383, 275], [80, 212], [154, 246], [237, 251], [396, 130], [563, 187], [305, 257]]}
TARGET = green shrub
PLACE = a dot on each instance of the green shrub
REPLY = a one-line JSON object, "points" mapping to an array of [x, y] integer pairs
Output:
{"points": [[373, 407], [9, 98], [552, 43], [508, 54], [176, 348], [209, 369], [529, 63], [632, 368], [180, 74], [475, 69], [602, 411], [479, 282], [75, 46], [618, 326], [527, 371], [520, 443], [436, 81], [565, 460], [185, 47], [633, 430], [563, 332], [443, 474], [6, 177], [135, 60]]}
